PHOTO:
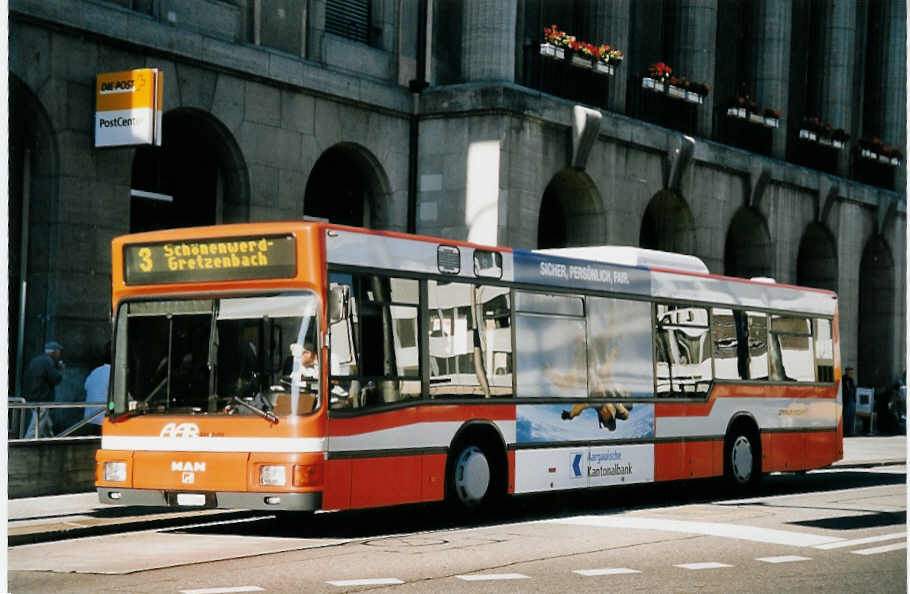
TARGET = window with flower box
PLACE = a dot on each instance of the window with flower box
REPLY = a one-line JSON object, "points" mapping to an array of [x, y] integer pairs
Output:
{"points": [[560, 57]]}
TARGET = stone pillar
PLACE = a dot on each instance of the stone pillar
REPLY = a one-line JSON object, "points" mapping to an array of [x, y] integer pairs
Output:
{"points": [[609, 22], [696, 40], [771, 63], [837, 39], [894, 81], [488, 40]]}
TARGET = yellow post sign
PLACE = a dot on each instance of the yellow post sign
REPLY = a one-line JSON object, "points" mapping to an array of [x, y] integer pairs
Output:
{"points": [[128, 107]]}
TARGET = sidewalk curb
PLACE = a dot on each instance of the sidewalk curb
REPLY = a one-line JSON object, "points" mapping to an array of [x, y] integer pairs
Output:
{"points": [[38, 537]]}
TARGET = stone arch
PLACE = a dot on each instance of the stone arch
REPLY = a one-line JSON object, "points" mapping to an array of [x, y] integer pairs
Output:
{"points": [[34, 167], [876, 315], [816, 263], [668, 224], [571, 212], [347, 185], [747, 250], [197, 176]]}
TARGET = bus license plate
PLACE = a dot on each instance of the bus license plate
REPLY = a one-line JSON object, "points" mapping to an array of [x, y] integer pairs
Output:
{"points": [[191, 499]]}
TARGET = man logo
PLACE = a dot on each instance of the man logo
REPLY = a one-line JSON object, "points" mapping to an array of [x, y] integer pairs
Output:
{"points": [[188, 478], [181, 430]]}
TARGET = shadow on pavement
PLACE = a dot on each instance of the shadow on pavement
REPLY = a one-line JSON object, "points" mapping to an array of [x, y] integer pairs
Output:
{"points": [[437, 516]]}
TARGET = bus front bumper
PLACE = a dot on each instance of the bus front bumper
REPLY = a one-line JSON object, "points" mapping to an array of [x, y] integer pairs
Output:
{"points": [[208, 500]]}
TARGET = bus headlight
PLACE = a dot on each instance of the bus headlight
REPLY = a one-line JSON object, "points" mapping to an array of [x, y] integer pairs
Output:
{"points": [[275, 476], [115, 472]]}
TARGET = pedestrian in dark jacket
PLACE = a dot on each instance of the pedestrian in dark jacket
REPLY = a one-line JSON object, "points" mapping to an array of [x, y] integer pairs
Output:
{"points": [[42, 374], [848, 393]]}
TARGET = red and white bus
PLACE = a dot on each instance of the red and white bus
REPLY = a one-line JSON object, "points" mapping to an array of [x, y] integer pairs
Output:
{"points": [[440, 369]]}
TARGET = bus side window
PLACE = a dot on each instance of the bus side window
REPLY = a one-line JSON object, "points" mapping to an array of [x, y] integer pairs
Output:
{"points": [[824, 351], [374, 349], [726, 339], [470, 340], [791, 349], [683, 351]]}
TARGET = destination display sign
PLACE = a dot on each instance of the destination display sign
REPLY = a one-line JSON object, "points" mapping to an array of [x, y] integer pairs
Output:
{"points": [[204, 260]]}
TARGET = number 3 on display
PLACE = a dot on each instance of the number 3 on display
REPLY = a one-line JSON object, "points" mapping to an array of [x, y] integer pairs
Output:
{"points": [[146, 255]]}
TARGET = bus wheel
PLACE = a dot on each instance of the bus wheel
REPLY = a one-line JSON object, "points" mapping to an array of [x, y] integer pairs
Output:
{"points": [[470, 478], [742, 461]]}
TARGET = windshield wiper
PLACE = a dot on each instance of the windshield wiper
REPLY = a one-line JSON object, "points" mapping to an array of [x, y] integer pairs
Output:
{"points": [[270, 417]]}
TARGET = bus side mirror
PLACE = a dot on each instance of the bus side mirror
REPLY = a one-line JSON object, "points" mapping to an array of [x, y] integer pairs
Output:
{"points": [[339, 303]]}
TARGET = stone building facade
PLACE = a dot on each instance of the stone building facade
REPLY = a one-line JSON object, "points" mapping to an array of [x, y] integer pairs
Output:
{"points": [[443, 118]]}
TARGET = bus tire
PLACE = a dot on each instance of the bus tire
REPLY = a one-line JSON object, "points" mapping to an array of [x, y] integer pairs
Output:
{"points": [[474, 477], [742, 459]]}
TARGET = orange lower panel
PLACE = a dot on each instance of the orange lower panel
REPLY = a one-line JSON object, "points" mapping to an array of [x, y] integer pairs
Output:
{"points": [[376, 482], [209, 471], [337, 494], [686, 460], [823, 449], [784, 452]]}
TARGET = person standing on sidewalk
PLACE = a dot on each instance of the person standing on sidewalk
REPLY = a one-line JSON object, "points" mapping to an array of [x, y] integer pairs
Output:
{"points": [[848, 393], [42, 374]]}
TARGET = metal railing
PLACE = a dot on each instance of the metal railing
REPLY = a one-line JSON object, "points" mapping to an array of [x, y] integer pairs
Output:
{"points": [[21, 413]]}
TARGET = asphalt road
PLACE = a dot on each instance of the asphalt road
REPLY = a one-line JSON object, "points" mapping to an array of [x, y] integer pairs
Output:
{"points": [[836, 530]]}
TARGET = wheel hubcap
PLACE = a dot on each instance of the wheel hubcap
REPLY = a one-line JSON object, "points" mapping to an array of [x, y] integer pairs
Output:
{"points": [[472, 476], [741, 459]]}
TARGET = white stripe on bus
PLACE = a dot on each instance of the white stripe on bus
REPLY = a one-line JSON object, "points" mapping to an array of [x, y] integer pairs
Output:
{"points": [[416, 435], [213, 444], [813, 413]]}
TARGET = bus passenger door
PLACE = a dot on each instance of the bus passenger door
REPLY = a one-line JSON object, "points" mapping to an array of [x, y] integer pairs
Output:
{"points": [[370, 463]]}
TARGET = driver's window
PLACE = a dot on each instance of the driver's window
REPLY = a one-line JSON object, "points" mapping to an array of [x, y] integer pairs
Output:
{"points": [[268, 354]]}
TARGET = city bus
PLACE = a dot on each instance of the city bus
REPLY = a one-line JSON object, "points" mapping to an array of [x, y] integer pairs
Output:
{"points": [[305, 366]]}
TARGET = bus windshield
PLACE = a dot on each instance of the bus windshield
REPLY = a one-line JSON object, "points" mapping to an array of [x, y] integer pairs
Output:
{"points": [[243, 355]]}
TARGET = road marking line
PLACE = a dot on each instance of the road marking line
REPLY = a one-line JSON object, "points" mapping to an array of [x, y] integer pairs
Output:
{"points": [[885, 549], [697, 566], [861, 541], [223, 590], [367, 582], [784, 559], [479, 577], [741, 532], [606, 571]]}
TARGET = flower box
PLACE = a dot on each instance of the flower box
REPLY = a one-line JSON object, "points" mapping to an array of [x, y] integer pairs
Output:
{"points": [[581, 61], [736, 112], [838, 144], [807, 135], [772, 122], [867, 154], [756, 119], [653, 85], [551, 51], [676, 92], [601, 68], [693, 97]]}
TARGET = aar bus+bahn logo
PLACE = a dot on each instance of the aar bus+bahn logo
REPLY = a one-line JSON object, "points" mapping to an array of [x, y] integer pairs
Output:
{"points": [[181, 430]]}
